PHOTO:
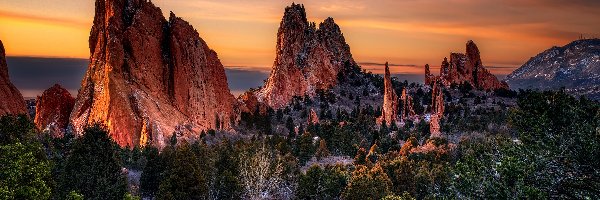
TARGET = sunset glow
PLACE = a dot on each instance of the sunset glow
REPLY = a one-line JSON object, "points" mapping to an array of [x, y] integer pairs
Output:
{"points": [[508, 33]]}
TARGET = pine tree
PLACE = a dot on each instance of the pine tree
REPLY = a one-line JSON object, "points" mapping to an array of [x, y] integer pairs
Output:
{"points": [[94, 168]]}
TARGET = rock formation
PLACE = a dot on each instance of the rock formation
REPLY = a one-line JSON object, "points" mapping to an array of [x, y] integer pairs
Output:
{"points": [[306, 59], [53, 109], [248, 102], [389, 111], [437, 109], [466, 68], [149, 78], [11, 100], [407, 105], [313, 118], [429, 78]]}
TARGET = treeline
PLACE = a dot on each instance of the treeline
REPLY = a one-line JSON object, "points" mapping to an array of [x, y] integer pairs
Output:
{"points": [[551, 151]]}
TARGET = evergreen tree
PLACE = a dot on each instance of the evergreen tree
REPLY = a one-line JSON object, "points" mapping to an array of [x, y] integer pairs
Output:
{"points": [[93, 168], [183, 178]]}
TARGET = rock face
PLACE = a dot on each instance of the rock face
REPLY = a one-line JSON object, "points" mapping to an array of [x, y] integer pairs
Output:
{"points": [[466, 68], [389, 112], [307, 58], [437, 109], [407, 105], [53, 109], [150, 78], [11, 100], [575, 66]]}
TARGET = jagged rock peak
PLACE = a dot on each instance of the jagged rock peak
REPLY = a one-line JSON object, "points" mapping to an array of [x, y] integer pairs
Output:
{"points": [[149, 78], [11, 100], [53, 109], [467, 68], [307, 58]]}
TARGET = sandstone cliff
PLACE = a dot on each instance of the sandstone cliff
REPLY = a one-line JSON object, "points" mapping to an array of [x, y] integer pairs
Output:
{"points": [[53, 109], [149, 78], [11, 100], [466, 68], [306, 58]]}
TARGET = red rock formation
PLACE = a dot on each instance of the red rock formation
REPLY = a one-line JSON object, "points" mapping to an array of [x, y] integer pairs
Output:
{"points": [[11, 100], [313, 118], [389, 111], [468, 68], [249, 103], [149, 78], [437, 109], [429, 78], [407, 109], [53, 109], [307, 58]]}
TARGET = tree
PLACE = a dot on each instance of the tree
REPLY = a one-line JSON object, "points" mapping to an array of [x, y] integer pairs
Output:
{"points": [[368, 184], [561, 134], [226, 183], [94, 168], [16, 128], [263, 175], [322, 183], [151, 174], [24, 172], [183, 179], [322, 151]]}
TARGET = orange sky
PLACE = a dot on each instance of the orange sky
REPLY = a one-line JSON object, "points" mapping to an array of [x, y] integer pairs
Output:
{"points": [[411, 32]]}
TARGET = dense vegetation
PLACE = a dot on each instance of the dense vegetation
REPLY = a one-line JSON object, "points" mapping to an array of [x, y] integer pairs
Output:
{"points": [[546, 146]]}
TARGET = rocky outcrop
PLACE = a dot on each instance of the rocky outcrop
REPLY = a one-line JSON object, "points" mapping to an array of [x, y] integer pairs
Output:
{"points": [[307, 58], [11, 100], [407, 105], [313, 118], [389, 111], [249, 103], [149, 78], [437, 109], [467, 68], [53, 109]]}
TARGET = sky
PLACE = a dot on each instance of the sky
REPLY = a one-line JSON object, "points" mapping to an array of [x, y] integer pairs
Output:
{"points": [[406, 33]]}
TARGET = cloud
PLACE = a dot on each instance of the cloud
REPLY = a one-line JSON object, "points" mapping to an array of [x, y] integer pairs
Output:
{"points": [[44, 19]]}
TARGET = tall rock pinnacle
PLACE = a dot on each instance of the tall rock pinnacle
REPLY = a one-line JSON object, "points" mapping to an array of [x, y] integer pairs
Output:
{"points": [[149, 78], [437, 109], [306, 58], [389, 112], [11, 100]]}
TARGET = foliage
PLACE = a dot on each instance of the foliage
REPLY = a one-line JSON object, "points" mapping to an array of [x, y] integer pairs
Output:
{"points": [[322, 183], [24, 172], [367, 184], [93, 167], [182, 178], [561, 134]]}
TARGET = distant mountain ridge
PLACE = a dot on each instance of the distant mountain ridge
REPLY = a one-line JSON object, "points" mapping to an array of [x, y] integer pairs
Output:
{"points": [[575, 66]]}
